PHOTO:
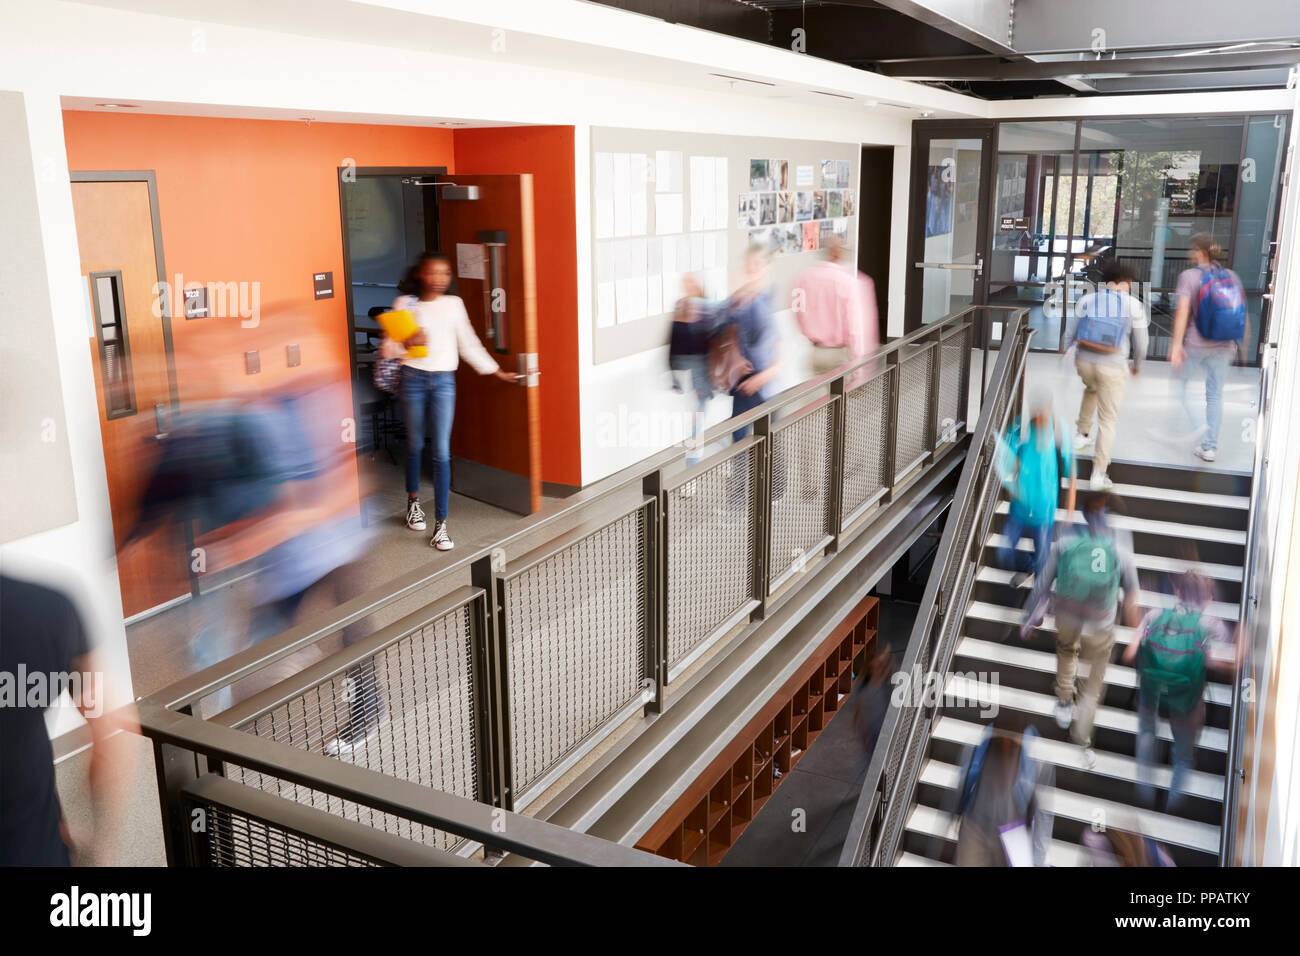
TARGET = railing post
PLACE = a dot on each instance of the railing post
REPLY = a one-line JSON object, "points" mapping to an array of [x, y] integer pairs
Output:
{"points": [[762, 514], [895, 371], [175, 767], [489, 635], [656, 584], [932, 396], [835, 493]]}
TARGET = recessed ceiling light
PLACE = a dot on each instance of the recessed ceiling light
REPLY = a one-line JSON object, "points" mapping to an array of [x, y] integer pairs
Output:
{"points": [[926, 114], [871, 104], [836, 95], [119, 106]]}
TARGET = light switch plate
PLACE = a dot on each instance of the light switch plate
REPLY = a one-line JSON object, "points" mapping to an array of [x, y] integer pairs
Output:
{"points": [[252, 362]]}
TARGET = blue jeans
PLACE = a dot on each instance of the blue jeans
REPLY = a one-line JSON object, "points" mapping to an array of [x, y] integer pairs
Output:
{"points": [[1214, 363], [1013, 559], [429, 396], [1186, 728], [741, 403], [695, 368]]}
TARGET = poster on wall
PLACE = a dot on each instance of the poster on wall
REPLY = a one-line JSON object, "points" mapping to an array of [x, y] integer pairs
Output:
{"points": [[938, 202], [834, 204], [760, 179], [819, 204], [784, 207], [828, 174], [826, 230], [847, 199], [767, 209], [810, 235], [803, 206], [804, 176], [842, 167], [779, 173], [791, 238]]}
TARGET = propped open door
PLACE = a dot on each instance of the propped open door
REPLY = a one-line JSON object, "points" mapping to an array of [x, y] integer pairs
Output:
{"points": [[496, 443]]}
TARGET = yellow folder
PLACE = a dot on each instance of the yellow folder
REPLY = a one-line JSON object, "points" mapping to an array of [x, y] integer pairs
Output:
{"points": [[399, 325]]}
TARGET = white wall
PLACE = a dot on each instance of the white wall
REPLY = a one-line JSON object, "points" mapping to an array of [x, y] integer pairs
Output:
{"points": [[76, 558]]}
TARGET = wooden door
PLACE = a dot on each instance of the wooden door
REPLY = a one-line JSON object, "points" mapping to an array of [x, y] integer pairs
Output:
{"points": [[496, 443], [129, 349]]}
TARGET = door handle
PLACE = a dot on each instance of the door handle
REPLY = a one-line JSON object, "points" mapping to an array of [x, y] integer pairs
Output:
{"points": [[977, 266], [528, 370]]}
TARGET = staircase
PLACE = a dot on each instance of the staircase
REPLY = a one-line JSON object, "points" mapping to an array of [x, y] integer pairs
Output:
{"points": [[1167, 511]]}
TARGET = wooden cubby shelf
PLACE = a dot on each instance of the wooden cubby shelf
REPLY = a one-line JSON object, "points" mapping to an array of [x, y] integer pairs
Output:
{"points": [[707, 820]]}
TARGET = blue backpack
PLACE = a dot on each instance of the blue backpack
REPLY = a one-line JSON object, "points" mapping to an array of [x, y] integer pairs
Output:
{"points": [[1103, 321], [1221, 306]]}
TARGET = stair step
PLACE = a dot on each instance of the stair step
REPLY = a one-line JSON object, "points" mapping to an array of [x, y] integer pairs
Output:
{"points": [[1207, 786], [1175, 831], [1011, 616], [930, 822], [1151, 492], [1040, 705], [1044, 662], [1146, 599], [1149, 562], [1169, 529], [915, 859]]}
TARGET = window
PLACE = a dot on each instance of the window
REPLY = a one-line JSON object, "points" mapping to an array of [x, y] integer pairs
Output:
{"points": [[114, 345]]}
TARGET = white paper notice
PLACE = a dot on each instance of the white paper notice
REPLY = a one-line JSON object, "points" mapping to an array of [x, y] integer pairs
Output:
{"points": [[604, 195], [637, 281], [637, 192], [469, 261], [654, 277], [721, 198], [697, 252], [697, 195], [803, 175], [605, 287], [622, 194], [668, 171], [668, 214]]}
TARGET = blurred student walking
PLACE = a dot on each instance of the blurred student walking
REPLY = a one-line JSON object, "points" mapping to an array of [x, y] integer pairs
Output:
{"points": [[1172, 655], [1032, 462], [1108, 330], [1083, 578], [749, 322], [1209, 332], [688, 351], [836, 311]]}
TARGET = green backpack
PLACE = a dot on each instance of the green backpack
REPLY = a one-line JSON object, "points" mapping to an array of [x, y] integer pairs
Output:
{"points": [[1087, 572], [1171, 659]]}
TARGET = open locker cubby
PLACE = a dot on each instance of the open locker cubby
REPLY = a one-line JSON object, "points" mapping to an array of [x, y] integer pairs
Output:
{"points": [[709, 817]]}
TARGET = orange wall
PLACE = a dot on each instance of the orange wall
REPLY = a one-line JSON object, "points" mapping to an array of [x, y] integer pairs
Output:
{"points": [[547, 153], [257, 201]]}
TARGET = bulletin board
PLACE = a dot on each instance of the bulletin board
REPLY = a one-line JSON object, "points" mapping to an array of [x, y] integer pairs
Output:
{"points": [[665, 204]]}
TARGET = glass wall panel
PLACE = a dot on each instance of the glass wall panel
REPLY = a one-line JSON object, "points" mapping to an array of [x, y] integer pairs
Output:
{"points": [[1154, 184]]}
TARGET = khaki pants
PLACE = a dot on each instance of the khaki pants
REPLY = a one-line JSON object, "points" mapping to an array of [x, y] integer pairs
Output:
{"points": [[1072, 646], [827, 359], [1103, 392]]}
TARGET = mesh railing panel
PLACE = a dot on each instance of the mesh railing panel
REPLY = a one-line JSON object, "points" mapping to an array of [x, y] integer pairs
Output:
{"points": [[576, 635], [234, 839], [711, 527], [800, 490], [914, 412], [866, 441], [408, 711], [954, 370]]}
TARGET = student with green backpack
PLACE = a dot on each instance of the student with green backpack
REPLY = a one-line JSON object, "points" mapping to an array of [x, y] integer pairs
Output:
{"points": [[1085, 575], [1173, 655]]}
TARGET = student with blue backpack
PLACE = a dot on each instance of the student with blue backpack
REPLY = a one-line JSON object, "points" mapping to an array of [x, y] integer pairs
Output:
{"points": [[1172, 653], [1108, 331], [1209, 331]]}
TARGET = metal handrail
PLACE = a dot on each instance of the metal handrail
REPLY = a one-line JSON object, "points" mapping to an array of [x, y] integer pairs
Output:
{"points": [[882, 799], [166, 717], [1246, 617], [187, 691]]}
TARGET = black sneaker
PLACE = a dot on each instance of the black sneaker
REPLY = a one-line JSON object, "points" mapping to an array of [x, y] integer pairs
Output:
{"points": [[441, 540], [414, 515]]}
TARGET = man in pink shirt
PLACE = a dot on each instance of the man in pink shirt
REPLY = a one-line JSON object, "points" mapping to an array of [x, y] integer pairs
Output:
{"points": [[836, 311]]}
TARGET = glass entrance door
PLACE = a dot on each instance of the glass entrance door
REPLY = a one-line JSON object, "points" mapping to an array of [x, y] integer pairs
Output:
{"points": [[948, 220]]}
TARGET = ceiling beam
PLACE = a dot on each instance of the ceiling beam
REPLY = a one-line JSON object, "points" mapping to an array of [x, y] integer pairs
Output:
{"points": [[987, 68]]}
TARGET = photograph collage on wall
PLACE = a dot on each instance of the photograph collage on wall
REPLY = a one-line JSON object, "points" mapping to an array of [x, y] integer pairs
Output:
{"points": [[788, 221]]}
